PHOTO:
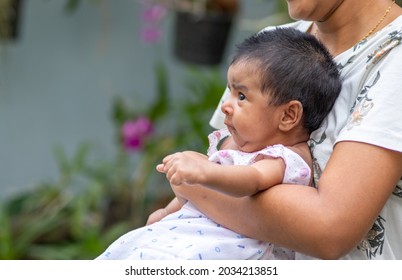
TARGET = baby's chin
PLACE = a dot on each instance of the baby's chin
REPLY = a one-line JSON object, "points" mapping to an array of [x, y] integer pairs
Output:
{"points": [[245, 147]]}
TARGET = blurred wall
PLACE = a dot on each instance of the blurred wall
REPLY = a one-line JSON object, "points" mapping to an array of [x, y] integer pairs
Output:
{"points": [[57, 80]]}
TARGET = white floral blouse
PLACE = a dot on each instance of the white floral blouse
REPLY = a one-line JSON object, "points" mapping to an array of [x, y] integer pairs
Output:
{"points": [[369, 110]]}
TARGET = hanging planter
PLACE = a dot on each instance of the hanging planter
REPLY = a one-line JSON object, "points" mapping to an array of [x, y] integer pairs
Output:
{"points": [[202, 30], [9, 19]]}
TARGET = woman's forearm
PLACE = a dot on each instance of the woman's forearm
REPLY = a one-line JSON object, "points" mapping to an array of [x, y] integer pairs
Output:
{"points": [[326, 222], [257, 216], [284, 215]]}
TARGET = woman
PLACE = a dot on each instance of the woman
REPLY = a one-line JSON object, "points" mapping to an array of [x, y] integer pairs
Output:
{"points": [[355, 211]]}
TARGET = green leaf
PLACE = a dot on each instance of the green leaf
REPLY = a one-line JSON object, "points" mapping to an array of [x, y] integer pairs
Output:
{"points": [[71, 6], [161, 105]]}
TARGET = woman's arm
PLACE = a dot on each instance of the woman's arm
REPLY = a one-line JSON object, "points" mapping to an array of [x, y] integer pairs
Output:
{"points": [[240, 180], [326, 222]]}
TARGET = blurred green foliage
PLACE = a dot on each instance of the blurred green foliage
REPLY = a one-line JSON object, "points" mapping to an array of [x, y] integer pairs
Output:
{"points": [[96, 199]]}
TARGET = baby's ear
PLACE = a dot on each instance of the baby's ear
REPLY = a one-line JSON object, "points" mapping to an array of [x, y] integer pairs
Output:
{"points": [[292, 113]]}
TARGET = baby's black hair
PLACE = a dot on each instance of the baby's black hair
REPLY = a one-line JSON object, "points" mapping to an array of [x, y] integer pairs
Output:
{"points": [[294, 65]]}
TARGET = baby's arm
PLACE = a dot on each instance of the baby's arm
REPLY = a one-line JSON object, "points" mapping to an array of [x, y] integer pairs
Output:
{"points": [[193, 168]]}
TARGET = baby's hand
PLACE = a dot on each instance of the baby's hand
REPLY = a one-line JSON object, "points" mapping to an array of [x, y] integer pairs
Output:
{"points": [[185, 167]]}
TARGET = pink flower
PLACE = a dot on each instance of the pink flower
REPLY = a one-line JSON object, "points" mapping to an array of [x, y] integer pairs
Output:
{"points": [[152, 16], [151, 34], [153, 13], [134, 133]]}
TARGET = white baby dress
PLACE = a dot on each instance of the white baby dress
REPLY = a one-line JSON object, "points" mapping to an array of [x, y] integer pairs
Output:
{"points": [[189, 234]]}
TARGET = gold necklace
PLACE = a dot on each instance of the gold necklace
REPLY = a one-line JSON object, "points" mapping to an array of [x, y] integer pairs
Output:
{"points": [[379, 22], [372, 30]]}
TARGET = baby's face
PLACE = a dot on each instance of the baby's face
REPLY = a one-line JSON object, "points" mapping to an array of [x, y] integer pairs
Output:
{"points": [[250, 118]]}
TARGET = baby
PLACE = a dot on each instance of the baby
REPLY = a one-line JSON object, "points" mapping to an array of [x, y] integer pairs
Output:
{"points": [[282, 83]]}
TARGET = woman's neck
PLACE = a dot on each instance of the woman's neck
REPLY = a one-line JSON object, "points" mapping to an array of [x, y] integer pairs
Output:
{"points": [[352, 21]]}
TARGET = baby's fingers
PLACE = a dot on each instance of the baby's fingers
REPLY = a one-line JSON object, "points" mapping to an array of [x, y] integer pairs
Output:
{"points": [[168, 158], [164, 166], [160, 167], [174, 179]]}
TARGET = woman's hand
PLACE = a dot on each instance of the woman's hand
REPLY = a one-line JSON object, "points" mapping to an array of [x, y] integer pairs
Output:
{"points": [[159, 214]]}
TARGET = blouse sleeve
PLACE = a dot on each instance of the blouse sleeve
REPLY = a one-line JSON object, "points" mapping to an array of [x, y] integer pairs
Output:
{"points": [[377, 115]]}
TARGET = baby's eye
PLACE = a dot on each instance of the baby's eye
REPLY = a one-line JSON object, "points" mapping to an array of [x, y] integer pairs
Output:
{"points": [[241, 96]]}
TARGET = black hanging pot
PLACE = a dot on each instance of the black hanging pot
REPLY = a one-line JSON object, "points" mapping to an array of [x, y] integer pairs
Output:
{"points": [[201, 38]]}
